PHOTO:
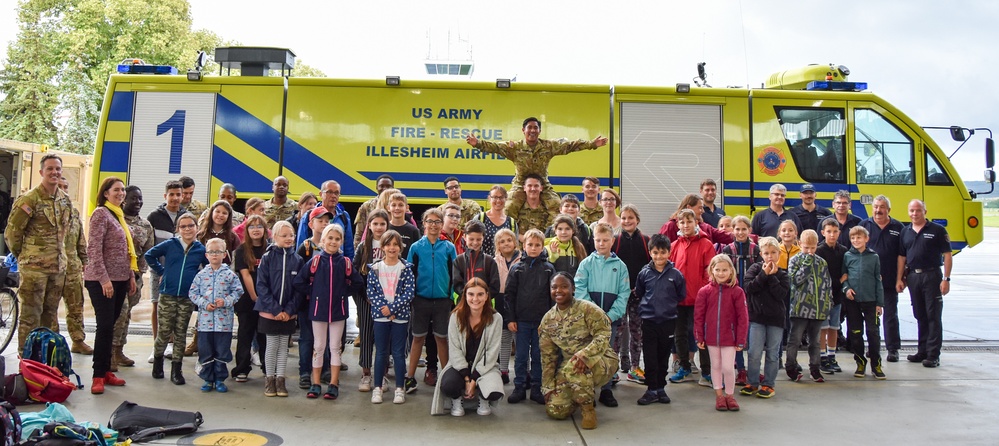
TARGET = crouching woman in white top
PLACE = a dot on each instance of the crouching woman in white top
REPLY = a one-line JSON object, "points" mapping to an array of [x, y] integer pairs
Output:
{"points": [[472, 372]]}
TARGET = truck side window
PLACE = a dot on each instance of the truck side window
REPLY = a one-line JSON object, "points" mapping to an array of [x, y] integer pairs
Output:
{"points": [[815, 138], [884, 153], [935, 174]]}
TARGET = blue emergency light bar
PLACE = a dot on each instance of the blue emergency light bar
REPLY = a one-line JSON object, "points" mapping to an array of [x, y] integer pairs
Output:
{"points": [[836, 86], [146, 69]]}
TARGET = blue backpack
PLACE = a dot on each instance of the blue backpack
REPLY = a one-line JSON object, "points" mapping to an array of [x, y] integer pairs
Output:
{"points": [[50, 348]]}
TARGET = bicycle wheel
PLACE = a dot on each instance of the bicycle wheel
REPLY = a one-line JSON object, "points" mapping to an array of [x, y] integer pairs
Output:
{"points": [[8, 316]]}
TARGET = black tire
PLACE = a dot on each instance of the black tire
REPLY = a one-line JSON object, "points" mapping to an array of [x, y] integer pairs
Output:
{"points": [[9, 310]]}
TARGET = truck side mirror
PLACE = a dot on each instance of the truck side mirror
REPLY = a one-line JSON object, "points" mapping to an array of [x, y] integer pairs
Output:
{"points": [[957, 133], [990, 153]]}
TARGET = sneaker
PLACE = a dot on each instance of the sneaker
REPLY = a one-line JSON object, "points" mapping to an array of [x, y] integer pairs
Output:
{"points": [[826, 366], [505, 376], [733, 405], [918, 357], [365, 384], [421, 363], [400, 396], [457, 410], [663, 397], [344, 367], [793, 374], [519, 394], [878, 373], [892, 356], [816, 375], [748, 390], [766, 392], [332, 392], [636, 375], [741, 378], [168, 352], [410, 385], [220, 387], [861, 367], [255, 360], [615, 379], [197, 367], [835, 365], [484, 408], [680, 375], [242, 378], [376, 395], [705, 381], [693, 368], [151, 356], [430, 377], [649, 397], [207, 386], [607, 398], [304, 382], [314, 391], [721, 403], [675, 365]]}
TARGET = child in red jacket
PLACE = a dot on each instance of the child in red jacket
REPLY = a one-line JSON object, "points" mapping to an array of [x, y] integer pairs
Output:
{"points": [[691, 253], [721, 323]]}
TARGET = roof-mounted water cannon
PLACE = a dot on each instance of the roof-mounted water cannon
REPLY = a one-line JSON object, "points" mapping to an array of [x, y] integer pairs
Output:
{"points": [[829, 77]]}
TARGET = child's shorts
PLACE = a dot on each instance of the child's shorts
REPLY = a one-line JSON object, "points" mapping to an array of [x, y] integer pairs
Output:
{"points": [[833, 320]]}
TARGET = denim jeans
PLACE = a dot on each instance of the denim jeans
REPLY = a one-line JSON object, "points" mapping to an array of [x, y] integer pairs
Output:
{"points": [[764, 338], [390, 337], [527, 348]]}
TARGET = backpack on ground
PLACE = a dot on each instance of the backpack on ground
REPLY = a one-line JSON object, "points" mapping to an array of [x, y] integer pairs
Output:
{"points": [[66, 433], [50, 348], [10, 425], [45, 384], [141, 423]]}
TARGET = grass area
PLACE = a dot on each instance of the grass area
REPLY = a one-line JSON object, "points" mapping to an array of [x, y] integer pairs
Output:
{"points": [[991, 217]]}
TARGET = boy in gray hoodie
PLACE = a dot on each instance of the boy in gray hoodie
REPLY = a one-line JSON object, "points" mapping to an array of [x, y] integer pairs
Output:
{"points": [[864, 300]]}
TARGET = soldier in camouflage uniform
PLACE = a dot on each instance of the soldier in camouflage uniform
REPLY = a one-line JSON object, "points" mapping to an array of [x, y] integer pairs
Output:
{"points": [[590, 209], [576, 358], [385, 181], [533, 214], [279, 207], [36, 234], [532, 156], [76, 257], [187, 201], [142, 238], [469, 208]]}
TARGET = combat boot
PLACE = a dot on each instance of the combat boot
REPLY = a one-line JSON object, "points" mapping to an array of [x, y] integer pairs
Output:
{"points": [[81, 348], [158, 367], [120, 358], [589, 417], [176, 373]]}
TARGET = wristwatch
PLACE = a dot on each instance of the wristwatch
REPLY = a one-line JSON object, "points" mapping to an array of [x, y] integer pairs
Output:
{"points": [[947, 279]]}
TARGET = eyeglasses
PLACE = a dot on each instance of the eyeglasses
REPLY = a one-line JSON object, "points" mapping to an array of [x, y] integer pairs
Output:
{"points": [[608, 200], [453, 187], [187, 226], [453, 216], [255, 227], [215, 253], [334, 193], [433, 222], [496, 197]]}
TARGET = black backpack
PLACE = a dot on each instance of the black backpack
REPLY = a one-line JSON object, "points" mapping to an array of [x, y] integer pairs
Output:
{"points": [[10, 424]]}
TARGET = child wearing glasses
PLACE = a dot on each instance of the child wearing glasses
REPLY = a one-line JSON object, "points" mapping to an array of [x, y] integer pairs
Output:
{"points": [[214, 291]]}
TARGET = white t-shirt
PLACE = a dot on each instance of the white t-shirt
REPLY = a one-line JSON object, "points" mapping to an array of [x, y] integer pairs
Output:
{"points": [[388, 276]]}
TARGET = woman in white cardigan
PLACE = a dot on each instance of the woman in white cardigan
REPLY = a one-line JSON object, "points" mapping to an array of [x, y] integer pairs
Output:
{"points": [[472, 370]]}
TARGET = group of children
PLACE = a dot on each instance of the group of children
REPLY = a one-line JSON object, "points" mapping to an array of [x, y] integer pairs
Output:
{"points": [[741, 296]]}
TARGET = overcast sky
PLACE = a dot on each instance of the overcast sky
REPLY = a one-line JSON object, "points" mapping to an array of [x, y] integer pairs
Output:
{"points": [[931, 59]]}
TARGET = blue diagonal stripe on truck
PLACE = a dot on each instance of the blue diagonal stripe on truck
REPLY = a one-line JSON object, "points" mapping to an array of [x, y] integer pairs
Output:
{"points": [[297, 158], [229, 169], [121, 106]]}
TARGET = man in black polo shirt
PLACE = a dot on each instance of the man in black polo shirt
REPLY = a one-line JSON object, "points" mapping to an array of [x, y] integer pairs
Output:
{"points": [[809, 212], [885, 238], [925, 246], [841, 204], [767, 221]]}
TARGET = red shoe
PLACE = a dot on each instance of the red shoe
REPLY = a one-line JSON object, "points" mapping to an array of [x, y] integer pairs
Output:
{"points": [[97, 387], [742, 378], [733, 406], [721, 404], [112, 380]]}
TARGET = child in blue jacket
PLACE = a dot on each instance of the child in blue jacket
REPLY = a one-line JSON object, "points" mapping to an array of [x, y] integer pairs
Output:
{"points": [[660, 288], [214, 291], [328, 279], [183, 257], [277, 303]]}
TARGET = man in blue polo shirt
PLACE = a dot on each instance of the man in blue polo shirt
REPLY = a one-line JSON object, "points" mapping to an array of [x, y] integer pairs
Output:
{"points": [[885, 238], [767, 221], [712, 212], [809, 212], [925, 246]]}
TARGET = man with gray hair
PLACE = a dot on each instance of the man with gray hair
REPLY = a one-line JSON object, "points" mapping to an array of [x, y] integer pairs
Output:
{"points": [[846, 220], [925, 247], [329, 198], [767, 221], [885, 237]]}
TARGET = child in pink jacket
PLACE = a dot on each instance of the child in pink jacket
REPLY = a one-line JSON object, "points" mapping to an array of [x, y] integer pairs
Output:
{"points": [[721, 323]]}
